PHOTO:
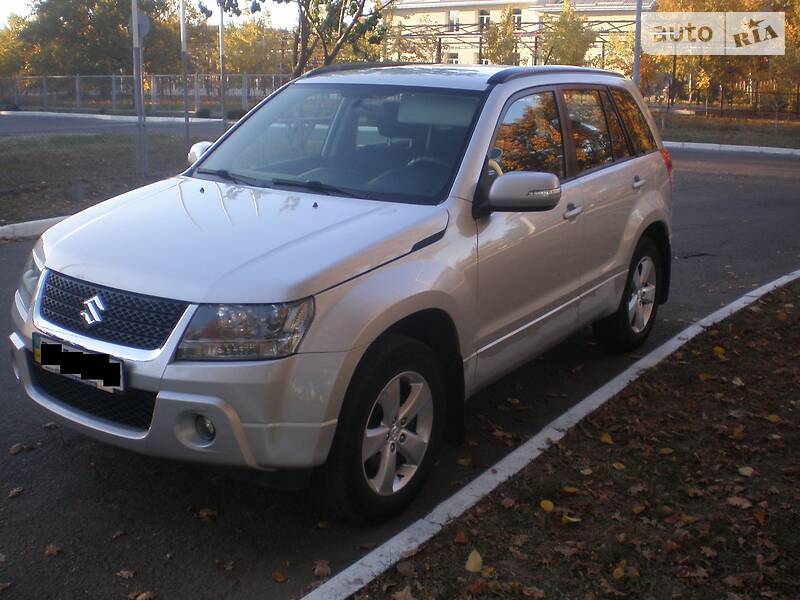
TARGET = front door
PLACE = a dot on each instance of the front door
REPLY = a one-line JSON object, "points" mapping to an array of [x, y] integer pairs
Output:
{"points": [[528, 262]]}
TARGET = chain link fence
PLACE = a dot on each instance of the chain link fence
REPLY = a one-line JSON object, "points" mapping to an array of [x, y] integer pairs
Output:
{"points": [[114, 93]]}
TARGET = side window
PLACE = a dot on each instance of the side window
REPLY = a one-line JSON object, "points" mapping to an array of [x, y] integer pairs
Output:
{"points": [[641, 136], [619, 145], [589, 130], [529, 138]]}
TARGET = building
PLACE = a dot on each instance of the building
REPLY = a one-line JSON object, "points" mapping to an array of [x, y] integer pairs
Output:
{"points": [[452, 31]]}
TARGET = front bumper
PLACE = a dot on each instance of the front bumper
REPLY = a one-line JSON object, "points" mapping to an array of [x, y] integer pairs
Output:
{"points": [[269, 415]]}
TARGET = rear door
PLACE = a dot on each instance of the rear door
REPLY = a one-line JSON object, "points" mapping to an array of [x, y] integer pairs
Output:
{"points": [[604, 171]]}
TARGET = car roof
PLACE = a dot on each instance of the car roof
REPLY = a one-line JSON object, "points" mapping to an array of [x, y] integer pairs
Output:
{"points": [[466, 77]]}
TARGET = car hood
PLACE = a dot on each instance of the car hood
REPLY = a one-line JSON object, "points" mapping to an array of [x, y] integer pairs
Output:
{"points": [[205, 241]]}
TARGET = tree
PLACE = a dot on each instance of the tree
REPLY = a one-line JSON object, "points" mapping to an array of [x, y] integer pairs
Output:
{"points": [[412, 45], [254, 47], [500, 44], [13, 50], [566, 38]]}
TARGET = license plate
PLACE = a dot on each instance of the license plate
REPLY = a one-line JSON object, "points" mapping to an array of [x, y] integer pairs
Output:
{"points": [[95, 369]]}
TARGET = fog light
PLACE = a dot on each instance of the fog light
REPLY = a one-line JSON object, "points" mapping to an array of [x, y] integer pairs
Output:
{"points": [[205, 428]]}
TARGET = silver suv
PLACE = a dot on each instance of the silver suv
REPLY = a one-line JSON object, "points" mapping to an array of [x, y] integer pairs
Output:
{"points": [[325, 285]]}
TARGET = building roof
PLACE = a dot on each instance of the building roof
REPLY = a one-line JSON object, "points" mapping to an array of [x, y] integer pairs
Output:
{"points": [[465, 77], [533, 5]]}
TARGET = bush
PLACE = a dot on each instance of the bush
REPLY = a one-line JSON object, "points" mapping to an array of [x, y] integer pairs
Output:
{"points": [[203, 113]]}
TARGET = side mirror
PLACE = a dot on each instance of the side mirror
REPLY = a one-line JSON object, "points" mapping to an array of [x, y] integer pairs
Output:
{"points": [[524, 191], [197, 150]]}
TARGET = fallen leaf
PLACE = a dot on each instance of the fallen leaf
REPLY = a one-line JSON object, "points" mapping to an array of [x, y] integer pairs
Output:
{"points": [[746, 471], [586, 471], [50, 425], [125, 574], [773, 418], [464, 462], [638, 509], [733, 581], [206, 514], [739, 502], [507, 502], [117, 535], [278, 577], [141, 596], [4, 585], [52, 550], [227, 565], [406, 568], [15, 492], [322, 568], [688, 519], [547, 506], [619, 571], [568, 489], [474, 562], [737, 381], [665, 451], [17, 448], [404, 594], [708, 552], [606, 438], [566, 519], [719, 352], [618, 466], [705, 376], [460, 538], [782, 316], [760, 516], [533, 592], [671, 546]]}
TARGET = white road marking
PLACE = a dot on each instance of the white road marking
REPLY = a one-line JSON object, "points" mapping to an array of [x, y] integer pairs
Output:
{"points": [[362, 572]]}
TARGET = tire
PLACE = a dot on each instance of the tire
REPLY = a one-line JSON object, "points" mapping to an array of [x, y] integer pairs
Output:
{"points": [[371, 483], [631, 324]]}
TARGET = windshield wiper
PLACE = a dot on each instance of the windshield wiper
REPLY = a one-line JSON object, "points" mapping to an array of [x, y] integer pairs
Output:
{"points": [[317, 186], [234, 177]]}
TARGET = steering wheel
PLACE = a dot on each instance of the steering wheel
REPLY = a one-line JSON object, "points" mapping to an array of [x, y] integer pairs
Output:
{"points": [[494, 166], [426, 160]]}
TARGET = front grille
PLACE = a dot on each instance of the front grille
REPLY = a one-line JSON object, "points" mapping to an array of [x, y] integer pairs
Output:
{"points": [[132, 408], [129, 319]]}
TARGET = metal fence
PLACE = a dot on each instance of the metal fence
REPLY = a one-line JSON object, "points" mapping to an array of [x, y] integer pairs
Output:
{"points": [[114, 93]]}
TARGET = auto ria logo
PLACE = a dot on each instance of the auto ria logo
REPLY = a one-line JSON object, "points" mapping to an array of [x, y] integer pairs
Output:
{"points": [[93, 314], [714, 33]]}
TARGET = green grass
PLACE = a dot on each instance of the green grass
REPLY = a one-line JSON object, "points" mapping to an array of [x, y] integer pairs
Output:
{"points": [[726, 130], [47, 176]]}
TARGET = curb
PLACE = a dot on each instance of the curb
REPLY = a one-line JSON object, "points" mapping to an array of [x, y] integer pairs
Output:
{"points": [[361, 573], [732, 148], [118, 118], [27, 229]]}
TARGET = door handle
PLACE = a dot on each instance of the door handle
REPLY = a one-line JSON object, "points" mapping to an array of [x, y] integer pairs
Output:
{"points": [[572, 211], [638, 182]]}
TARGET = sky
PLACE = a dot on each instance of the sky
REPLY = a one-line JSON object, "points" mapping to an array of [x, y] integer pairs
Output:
{"points": [[283, 14]]}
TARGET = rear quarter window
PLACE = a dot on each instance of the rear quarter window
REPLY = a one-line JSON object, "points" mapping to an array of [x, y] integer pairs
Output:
{"points": [[638, 128]]}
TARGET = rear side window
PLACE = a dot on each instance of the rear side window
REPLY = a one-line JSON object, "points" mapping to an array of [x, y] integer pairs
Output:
{"points": [[529, 138], [641, 136], [589, 130], [619, 145]]}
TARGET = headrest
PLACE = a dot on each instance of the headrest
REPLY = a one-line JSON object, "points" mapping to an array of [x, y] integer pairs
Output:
{"points": [[390, 128], [443, 110]]}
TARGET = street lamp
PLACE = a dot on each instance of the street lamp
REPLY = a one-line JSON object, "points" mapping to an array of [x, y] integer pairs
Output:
{"points": [[184, 67], [222, 63]]}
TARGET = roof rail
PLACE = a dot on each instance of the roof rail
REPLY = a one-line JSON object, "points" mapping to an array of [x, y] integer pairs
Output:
{"points": [[354, 66], [516, 72]]}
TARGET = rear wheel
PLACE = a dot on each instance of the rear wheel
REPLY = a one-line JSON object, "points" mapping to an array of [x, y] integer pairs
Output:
{"points": [[388, 433], [628, 328]]}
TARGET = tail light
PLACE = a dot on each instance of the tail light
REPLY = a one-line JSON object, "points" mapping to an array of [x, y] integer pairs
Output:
{"points": [[667, 161]]}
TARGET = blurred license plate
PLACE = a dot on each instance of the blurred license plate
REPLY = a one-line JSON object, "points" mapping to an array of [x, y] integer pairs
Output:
{"points": [[95, 369]]}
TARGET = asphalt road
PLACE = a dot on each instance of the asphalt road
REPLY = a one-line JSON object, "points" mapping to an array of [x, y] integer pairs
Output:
{"points": [[736, 220], [22, 123]]}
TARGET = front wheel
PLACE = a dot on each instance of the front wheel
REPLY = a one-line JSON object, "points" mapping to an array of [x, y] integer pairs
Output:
{"points": [[628, 328], [388, 433]]}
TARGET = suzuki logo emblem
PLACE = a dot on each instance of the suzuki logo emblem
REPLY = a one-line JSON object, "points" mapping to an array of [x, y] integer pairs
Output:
{"points": [[94, 310]]}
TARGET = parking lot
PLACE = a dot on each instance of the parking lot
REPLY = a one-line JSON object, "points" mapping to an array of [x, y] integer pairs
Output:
{"points": [[190, 532]]}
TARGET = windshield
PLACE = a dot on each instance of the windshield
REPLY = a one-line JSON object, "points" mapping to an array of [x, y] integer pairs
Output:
{"points": [[379, 142]]}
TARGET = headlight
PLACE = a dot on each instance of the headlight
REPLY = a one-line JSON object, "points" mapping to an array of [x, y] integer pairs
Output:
{"points": [[245, 331], [30, 275]]}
